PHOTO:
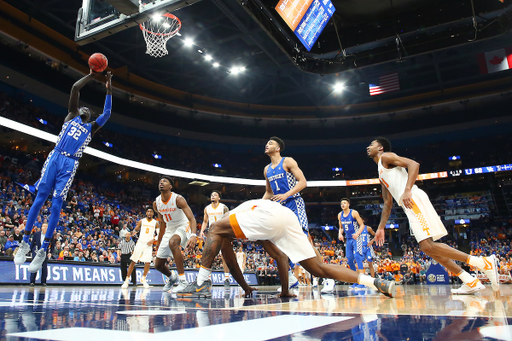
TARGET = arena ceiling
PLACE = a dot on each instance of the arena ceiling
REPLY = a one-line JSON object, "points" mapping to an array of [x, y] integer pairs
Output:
{"points": [[432, 45]]}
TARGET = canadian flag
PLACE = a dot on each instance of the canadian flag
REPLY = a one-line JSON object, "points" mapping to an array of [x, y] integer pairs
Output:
{"points": [[494, 61]]}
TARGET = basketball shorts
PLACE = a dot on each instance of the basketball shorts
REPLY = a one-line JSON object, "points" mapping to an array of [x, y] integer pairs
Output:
{"points": [[270, 221], [366, 254], [298, 207], [423, 218], [57, 174], [142, 252], [183, 231]]}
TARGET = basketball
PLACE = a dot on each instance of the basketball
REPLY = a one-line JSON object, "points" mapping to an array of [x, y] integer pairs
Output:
{"points": [[98, 62]]}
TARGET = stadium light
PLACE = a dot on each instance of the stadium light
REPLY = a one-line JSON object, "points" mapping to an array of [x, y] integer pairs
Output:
{"points": [[156, 156], [188, 42], [337, 169], [216, 64], [338, 87], [217, 165], [110, 145], [156, 17], [208, 57], [453, 158]]}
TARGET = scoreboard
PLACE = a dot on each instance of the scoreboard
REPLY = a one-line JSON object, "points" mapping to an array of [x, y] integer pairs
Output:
{"points": [[306, 18]]}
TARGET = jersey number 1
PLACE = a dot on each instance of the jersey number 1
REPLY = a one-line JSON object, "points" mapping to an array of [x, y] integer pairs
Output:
{"points": [[277, 186]]}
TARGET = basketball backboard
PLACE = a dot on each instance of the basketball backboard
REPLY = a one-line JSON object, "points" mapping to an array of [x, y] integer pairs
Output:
{"points": [[100, 18]]}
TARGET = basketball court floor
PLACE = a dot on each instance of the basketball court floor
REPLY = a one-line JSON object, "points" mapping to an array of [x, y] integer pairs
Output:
{"points": [[110, 313]]}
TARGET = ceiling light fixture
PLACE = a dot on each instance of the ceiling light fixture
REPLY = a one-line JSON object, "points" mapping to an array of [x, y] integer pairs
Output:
{"points": [[188, 42]]}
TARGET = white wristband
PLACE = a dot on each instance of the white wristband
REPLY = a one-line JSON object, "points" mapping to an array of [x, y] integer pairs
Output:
{"points": [[193, 235]]}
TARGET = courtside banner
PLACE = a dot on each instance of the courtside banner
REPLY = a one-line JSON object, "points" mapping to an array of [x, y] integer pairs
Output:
{"points": [[90, 273], [436, 274]]}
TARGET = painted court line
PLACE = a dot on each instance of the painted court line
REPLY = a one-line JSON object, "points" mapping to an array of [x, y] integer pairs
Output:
{"points": [[262, 329], [14, 304], [150, 312]]}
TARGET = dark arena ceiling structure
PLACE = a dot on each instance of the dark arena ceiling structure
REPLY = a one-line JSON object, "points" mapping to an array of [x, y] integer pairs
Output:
{"points": [[433, 47]]}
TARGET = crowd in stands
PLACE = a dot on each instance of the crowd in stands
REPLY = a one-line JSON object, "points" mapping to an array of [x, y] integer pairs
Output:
{"points": [[98, 213], [432, 157], [95, 217]]}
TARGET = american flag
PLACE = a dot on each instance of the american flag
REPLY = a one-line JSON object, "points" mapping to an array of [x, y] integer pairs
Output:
{"points": [[387, 83]]}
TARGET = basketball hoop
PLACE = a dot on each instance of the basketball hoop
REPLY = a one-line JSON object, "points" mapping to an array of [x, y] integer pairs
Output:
{"points": [[157, 31]]}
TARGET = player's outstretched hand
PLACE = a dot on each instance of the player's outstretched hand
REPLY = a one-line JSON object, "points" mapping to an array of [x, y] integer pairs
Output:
{"points": [[248, 291], [286, 293], [191, 244], [108, 84], [379, 237]]}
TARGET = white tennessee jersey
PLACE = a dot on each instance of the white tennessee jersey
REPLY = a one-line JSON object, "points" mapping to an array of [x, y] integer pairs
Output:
{"points": [[172, 214], [147, 230], [216, 214], [395, 180]]}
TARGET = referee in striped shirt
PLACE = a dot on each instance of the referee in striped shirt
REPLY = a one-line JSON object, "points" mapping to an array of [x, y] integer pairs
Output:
{"points": [[127, 246]]}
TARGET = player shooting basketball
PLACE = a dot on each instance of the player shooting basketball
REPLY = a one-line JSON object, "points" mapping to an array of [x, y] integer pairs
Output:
{"points": [[61, 164]]}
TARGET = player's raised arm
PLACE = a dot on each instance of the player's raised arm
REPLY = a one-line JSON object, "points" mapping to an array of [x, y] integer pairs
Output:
{"points": [[161, 223], [107, 109], [74, 97], [268, 190], [413, 169], [203, 226], [182, 204]]}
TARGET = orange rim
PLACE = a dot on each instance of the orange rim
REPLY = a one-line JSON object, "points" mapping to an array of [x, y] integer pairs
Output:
{"points": [[170, 16]]}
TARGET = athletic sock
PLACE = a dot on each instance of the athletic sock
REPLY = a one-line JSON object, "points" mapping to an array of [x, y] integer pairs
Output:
{"points": [[476, 261], [366, 280], [226, 275], [182, 277], [26, 238], [466, 277], [203, 275]]}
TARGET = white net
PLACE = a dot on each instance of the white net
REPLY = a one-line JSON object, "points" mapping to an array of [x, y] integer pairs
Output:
{"points": [[157, 31]]}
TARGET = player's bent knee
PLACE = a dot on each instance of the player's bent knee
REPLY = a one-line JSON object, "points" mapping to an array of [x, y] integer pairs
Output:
{"points": [[427, 246], [159, 264], [174, 244]]}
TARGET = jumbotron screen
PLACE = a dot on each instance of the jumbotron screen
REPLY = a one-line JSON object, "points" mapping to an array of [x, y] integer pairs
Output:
{"points": [[306, 18]]}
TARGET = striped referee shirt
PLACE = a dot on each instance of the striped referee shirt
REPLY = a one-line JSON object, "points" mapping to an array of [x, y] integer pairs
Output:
{"points": [[127, 247]]}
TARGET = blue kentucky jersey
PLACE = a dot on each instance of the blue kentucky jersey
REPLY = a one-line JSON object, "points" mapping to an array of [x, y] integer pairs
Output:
{"points": [[281, 181], [364, 237], [74, 137], [350, 225]]}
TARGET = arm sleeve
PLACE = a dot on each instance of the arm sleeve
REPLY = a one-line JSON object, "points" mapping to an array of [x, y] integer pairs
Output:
{"points": [[106, 111]]}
